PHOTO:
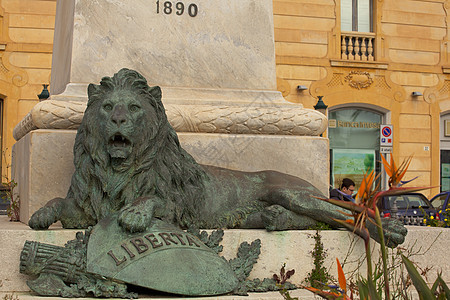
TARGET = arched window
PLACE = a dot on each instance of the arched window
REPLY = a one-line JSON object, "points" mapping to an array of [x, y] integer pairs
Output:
{"points": [[354, 143], [357, 15]]}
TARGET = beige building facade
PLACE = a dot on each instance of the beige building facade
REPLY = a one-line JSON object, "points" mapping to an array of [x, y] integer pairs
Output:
{"points": [[366, 58], [374, 62], [26, 39]]}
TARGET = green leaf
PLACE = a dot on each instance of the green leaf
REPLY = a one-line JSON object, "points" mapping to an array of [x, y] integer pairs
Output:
{"points": [[372, 291], [435, 286], [445, 287], [441, 282], [363, 290], [420, 284]]}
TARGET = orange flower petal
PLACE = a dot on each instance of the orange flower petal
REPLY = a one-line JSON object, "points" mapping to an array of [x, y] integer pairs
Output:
{"points": [[341, 277]]}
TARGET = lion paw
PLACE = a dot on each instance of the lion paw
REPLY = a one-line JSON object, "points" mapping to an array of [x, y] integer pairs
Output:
{"points": [[394, 232], [275, 217], [133, 219], [42, 218]]}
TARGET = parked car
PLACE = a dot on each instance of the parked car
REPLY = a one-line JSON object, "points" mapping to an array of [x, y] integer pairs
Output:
{"points": [[408, 208], [440, 201]]}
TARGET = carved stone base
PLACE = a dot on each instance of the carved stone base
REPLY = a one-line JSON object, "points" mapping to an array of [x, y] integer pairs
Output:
{"points": [[43, 160], [272, 118], [290, 247]]}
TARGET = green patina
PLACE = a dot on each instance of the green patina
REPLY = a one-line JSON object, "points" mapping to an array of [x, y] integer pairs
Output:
{"points": [[129, 163]]}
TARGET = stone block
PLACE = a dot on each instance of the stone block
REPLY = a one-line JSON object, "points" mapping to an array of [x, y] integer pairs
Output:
{"points": [[38, 76], [414, 135], [31, 35], [304, 8], [411, 57], [432, 33], [31, 60], [417, 149], [305, 23], [300, 36], [428, 247], [305, 157], [33, 7], [43, 160], [414, 121], [300, 49], [43, 167], [301, 72], [32, 21], [208, 47]]}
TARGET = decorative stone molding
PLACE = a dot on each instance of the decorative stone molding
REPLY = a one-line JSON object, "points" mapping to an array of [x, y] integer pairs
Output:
{"points": [[439, 92], [359, 79], [10, 73], [368, 84], [283, 86], [276, 120]]}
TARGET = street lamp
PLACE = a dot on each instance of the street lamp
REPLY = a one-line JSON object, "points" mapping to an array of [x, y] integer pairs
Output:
{"points": [[320, 106], [44, 95]]}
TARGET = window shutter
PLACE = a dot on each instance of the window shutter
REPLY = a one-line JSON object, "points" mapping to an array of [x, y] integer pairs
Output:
{"points": [[364, 15], [346, 15]]}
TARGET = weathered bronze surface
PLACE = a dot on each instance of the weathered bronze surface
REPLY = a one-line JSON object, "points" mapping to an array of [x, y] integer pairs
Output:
{"points": [[128, 160], [61, 271], [105, 259], [163, 258], [129, 164]]}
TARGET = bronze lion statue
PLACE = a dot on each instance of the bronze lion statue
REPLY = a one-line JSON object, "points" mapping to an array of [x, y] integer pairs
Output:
{"points": [[128, 161]]}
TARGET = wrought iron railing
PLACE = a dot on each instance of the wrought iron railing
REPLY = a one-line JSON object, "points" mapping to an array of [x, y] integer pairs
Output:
{"points": [[358, 46]]}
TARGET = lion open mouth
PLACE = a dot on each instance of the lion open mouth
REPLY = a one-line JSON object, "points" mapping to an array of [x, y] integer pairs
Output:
{"points": [[119, 146]]}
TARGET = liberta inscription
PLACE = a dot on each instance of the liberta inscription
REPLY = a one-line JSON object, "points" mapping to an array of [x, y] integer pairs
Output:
{"points": [[138, 246]]}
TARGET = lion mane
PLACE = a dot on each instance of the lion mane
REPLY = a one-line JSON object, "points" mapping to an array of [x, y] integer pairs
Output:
{"points": [[159, 167]]}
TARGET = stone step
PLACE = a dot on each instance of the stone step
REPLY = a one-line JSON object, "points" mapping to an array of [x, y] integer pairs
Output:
{"points": [[301, 294], [427, 247]]}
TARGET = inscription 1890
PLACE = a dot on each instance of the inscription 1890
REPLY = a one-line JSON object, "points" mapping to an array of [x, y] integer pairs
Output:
{"points": [[179, 8]]}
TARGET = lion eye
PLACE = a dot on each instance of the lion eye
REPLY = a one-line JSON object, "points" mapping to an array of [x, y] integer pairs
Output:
{"points": [[134, 108], [107, 107]]}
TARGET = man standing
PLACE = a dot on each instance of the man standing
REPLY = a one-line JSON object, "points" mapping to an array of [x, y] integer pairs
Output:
{"points": [[345, 192]]}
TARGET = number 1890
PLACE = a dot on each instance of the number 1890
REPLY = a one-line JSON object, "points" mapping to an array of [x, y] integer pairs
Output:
{"points": [[168, 8]]}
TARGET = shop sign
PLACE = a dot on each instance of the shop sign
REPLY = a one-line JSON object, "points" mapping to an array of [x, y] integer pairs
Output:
{"points": [[333, 123]]}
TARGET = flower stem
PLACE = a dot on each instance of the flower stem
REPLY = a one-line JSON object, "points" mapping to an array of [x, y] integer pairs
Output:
{"points": [[369, 259], [383, 253]]}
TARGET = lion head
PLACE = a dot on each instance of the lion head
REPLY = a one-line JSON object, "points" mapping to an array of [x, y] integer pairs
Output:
{"points": [[125, 149]]}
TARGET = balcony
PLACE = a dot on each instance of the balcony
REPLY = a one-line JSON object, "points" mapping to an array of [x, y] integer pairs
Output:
{"points": [[358, 46]]}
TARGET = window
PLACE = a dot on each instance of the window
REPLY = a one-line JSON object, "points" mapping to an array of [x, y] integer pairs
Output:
{"points": [[354, 144], [356, 15]]}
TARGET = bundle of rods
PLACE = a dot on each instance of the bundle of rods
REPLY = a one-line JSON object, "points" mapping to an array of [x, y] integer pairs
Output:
{"points": [[38, 258]]}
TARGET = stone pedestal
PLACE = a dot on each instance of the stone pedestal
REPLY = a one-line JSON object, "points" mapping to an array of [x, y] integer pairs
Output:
{"points": [[291, 247], [199, 52], [43, 160]]}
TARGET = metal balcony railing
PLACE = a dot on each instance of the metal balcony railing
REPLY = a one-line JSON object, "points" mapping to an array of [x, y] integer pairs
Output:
{"points": [[358, 46]]}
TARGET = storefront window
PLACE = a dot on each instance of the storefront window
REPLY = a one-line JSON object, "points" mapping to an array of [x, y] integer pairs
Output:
{"points": [[445, 152], [445, 170], [354, 144]]}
